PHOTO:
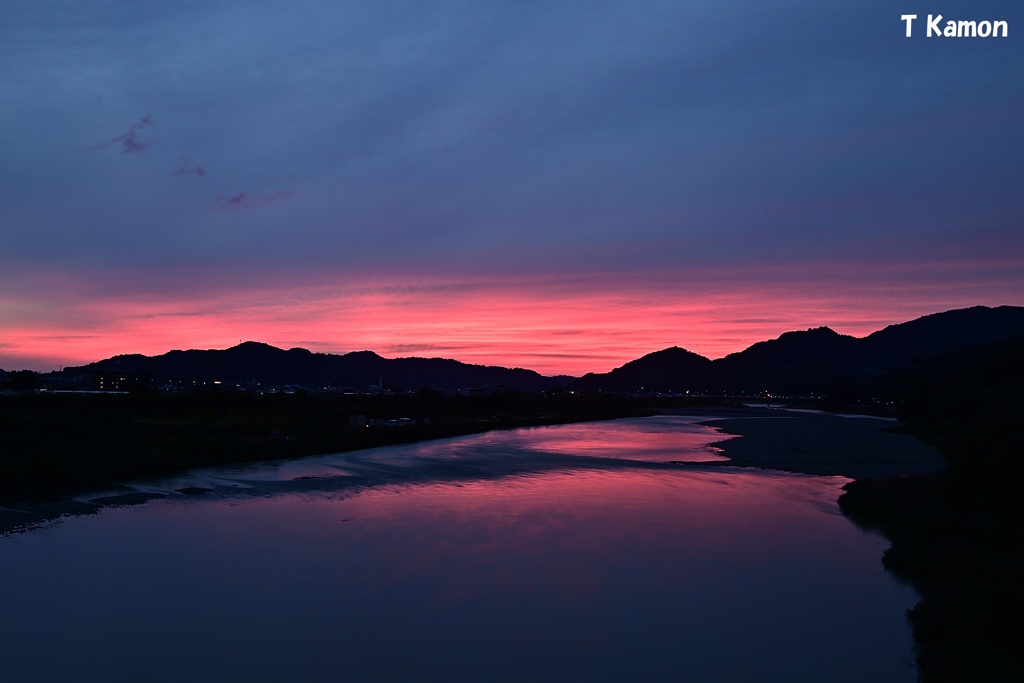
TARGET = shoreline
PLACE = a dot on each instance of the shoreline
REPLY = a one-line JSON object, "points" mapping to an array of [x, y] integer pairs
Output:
{"points": [[121, 439], [952, 518]]}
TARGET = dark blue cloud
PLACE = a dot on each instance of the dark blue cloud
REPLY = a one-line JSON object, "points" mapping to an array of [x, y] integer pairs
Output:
{"points": [[245, 201], [132, 141], [186, 169]]}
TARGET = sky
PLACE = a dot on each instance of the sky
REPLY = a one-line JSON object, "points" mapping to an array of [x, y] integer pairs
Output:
{"points": [[563, 185]]}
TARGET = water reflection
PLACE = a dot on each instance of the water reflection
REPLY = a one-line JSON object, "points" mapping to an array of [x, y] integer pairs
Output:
{"points": [[662, 438], [658, 442], [609, 573]]}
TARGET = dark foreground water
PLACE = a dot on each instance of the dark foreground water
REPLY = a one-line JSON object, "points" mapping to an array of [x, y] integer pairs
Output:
{"points": [[548, 554]]}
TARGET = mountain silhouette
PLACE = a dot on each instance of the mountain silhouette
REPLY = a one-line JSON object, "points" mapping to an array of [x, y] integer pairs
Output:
{"points": [[253, 363], [794, 363], [671, 369], [811, 360], [939, 333]]}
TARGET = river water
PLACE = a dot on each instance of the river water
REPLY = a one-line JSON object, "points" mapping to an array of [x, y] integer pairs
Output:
{"points": [[547, 554]]}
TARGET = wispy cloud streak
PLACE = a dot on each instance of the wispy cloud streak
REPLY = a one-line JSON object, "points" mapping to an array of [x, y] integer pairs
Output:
{"points": [[131, 141], [184, 170], [243, 201]]}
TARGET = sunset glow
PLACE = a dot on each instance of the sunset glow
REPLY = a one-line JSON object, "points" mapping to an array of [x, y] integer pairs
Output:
{"points": [[567, 325], [564, 189]]}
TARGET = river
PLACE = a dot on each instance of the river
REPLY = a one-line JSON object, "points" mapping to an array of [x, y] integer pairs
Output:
{"points": [[569, 552]]}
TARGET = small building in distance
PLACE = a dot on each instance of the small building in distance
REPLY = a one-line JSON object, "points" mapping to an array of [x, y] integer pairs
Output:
{"points": [[116, 380]]}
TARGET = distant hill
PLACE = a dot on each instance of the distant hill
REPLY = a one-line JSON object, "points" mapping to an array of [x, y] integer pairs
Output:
{"points": [[673, 369], [939, 333], [796, 362], [811, 360], [254, 362]]}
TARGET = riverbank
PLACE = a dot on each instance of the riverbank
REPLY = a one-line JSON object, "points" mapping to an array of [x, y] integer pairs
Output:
{"points": [[944, 490], [56, 446], [958, 538]]}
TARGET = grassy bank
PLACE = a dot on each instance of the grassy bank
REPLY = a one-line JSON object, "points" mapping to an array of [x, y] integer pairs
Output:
{"points": [[54, 445]]}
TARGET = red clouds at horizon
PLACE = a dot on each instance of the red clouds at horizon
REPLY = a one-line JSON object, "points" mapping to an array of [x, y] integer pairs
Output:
{"points": [[569, 324]]}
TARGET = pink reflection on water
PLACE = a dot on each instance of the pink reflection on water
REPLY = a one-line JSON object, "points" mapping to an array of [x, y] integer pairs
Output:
{"points": [[582, 512], [662, 438], [586, 575], [656, 439]]}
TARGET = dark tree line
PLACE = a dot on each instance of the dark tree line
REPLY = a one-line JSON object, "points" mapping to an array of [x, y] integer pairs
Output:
{"points": [[21, 380]]}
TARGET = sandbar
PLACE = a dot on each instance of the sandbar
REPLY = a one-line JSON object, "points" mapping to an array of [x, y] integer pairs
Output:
{"points": [[824, 445]]}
